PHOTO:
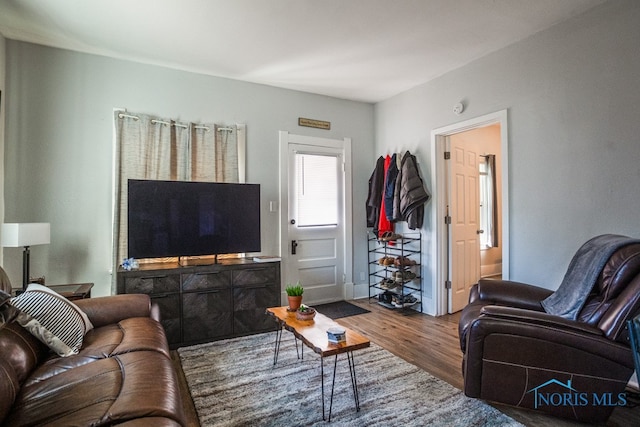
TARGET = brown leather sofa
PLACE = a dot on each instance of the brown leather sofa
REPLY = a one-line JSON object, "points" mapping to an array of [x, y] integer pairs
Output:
{"points": [[516, 353], [123, 374]]}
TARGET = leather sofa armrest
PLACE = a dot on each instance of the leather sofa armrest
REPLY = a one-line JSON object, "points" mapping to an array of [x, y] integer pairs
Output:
{"points": [[115, 308], [538, 318], [513, 294]]}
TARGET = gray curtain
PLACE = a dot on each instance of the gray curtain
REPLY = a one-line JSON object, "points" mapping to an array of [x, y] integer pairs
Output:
{"points": [[160, 148], [492, 193]]}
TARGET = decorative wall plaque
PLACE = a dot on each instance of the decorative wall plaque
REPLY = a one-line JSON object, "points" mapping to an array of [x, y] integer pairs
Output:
{"points": [[312, 123]]}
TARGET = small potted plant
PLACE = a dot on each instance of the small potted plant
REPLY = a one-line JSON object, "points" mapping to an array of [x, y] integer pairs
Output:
{"points": [[305, 312], [294, 294]]}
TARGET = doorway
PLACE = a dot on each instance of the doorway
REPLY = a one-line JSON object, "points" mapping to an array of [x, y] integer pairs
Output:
{"points": [[315, 200], [457, 265]]}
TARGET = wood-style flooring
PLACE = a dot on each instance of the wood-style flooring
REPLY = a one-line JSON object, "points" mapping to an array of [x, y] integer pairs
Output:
{"points": [[432, 344]]}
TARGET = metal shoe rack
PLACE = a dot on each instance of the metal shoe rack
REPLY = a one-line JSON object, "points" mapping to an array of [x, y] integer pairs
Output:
{"points": [[395, 270]]}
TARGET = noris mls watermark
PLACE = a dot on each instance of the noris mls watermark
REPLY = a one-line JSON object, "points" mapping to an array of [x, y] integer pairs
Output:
{"points": [[569, 396]]}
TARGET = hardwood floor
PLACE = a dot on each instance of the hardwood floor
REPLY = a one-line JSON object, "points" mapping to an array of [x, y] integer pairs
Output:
{"points": [[432, 344]]}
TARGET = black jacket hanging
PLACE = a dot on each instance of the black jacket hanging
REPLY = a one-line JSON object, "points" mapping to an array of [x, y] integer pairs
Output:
{"points": [[374, 199], [390, 189]]}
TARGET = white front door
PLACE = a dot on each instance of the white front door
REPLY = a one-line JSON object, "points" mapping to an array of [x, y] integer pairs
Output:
{"points": [[313, 238], [464, 240]]}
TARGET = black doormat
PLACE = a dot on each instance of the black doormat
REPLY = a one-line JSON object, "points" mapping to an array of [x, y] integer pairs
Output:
{"points": [[338, 309]]}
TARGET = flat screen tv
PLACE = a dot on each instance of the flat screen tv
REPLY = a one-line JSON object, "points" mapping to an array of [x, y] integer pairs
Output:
{"points": [[178, 218]]}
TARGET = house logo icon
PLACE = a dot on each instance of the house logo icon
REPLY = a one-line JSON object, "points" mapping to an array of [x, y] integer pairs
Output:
{"points": [[564, 394], [541, 397]]}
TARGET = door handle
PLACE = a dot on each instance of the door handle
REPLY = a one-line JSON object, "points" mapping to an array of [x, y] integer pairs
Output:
{"points": [[294, 245], [479, 231]]}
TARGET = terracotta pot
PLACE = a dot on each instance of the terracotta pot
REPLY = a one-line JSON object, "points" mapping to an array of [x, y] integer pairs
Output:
{"points": [[294, 302]]}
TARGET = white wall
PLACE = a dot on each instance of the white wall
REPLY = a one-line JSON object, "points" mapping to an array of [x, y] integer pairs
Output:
{"points": [[574, 133], [59, 147]]}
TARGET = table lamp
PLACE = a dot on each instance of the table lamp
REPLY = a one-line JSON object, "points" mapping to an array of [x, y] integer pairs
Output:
{"points": [[15, 235]]}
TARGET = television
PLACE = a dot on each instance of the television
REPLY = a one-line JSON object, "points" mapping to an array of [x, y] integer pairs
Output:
{"points": [[186, 218]]}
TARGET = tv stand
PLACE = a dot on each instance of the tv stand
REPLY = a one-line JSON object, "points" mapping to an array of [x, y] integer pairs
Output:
{"points": [[201, 303]]}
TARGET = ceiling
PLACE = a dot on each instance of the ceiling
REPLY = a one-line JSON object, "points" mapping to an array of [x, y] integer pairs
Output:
{"points": [[363, 50]]}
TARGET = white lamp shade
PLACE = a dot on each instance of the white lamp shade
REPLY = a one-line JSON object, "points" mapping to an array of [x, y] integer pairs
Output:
{"points": [[15, 235]]}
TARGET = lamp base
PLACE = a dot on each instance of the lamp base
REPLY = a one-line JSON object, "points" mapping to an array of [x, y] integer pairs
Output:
{"points": [[25, 267]]}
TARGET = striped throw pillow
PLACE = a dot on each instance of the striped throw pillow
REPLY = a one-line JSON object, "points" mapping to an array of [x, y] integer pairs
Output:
{"points": [[53, 319]]}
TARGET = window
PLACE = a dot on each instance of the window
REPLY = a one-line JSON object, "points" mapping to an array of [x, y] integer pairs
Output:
{"points": [[488, 203], [316, 190], [484, 204]]}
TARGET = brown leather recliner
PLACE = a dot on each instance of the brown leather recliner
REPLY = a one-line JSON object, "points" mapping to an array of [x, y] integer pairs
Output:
{"points": [[515, 353]]}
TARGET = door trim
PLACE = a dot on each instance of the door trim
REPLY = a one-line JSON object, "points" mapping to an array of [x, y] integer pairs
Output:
{"points": [[438, 304], [286, 138]]}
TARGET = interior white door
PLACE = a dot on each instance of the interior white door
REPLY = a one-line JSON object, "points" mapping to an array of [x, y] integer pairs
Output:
{"points": [[315, 229], [464, 242]]}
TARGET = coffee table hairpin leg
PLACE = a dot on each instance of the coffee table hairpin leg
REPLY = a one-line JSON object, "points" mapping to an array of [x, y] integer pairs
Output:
{"points": [[279, 328], [354, 383]]}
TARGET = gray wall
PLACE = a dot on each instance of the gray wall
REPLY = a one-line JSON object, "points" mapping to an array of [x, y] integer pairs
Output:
{"points": [[59, 147], [572, 96]]}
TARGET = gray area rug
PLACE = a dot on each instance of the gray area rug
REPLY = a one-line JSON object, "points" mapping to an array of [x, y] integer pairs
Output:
{"points": [[234, 383]]}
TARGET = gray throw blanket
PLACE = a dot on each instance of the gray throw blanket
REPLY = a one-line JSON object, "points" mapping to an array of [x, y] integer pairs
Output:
{"points": [[581, 276]]}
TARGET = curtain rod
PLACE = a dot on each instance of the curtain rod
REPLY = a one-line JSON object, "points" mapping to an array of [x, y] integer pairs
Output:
{"points": [[128, 116], [154, 121]]}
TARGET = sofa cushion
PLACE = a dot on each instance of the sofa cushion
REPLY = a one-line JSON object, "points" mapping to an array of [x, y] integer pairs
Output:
{"points": [[135, 334], [107, 391], [53, 319]]}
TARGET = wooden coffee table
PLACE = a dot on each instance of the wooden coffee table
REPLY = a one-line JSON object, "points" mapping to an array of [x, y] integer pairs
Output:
{"points": [[313, 333]]}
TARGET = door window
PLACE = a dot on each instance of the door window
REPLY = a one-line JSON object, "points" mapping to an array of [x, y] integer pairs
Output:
{"points": [[316, 190]]}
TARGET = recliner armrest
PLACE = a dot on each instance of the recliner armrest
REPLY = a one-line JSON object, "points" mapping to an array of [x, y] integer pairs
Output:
{"points": [[115, 308], [538, 318], [542, 333], [514, 294]]}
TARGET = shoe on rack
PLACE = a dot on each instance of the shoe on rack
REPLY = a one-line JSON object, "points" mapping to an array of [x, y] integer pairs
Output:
{"points": [[386, 260], [388, 284], [401, 301], [404, 276], [404, 261], [389, 236], [385, 297]]}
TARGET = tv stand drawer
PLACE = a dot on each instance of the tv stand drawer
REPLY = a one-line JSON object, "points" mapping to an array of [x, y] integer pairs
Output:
{"points": [[201, 281], [152, 284], [255, 275]]}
